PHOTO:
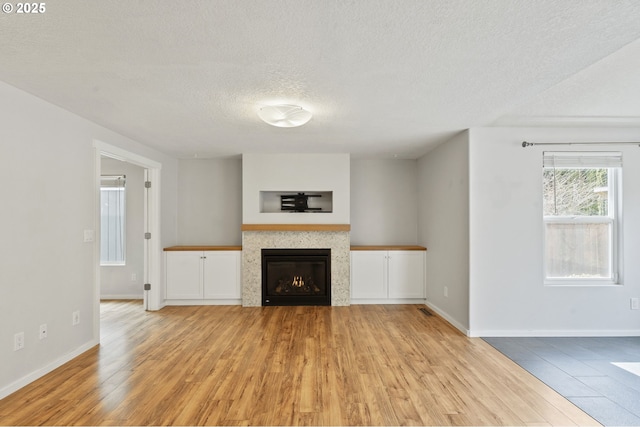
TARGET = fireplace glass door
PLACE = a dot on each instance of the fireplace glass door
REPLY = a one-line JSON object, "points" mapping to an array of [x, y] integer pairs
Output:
{"points": [[296, 277]]}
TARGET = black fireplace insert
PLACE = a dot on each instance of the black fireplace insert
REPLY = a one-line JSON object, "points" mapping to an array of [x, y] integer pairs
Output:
{"points": [[296, 277]]}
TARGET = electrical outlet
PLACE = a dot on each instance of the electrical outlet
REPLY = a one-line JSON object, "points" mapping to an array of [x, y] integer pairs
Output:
{"points": [[446, 291], [635, 304], [76, 318], [18, 341], [134, 277], [43, 331]]}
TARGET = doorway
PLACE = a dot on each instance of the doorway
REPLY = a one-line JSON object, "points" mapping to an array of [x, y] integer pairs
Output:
{"points": [[152, 249], [122, 222]]}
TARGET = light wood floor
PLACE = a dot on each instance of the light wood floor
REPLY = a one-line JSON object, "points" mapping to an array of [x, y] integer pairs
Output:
{"points": [[228, 365]]}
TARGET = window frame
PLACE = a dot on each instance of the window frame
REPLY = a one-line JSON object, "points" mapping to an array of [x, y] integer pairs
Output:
{"points": [[107, 184], [613, 218]]}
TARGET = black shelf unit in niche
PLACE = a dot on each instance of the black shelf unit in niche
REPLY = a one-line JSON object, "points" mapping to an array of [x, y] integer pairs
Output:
{"points": [[297, 202]]}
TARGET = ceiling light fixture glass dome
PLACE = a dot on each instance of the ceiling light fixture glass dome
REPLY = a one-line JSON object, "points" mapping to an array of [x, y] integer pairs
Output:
{"points": [[284, 115]]}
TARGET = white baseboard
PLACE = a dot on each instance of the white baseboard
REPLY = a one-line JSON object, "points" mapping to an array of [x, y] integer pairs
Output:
{"points": [[362, 301], [29, 378], [170, 302], [449, 319], [553, 333], [121, 296]]}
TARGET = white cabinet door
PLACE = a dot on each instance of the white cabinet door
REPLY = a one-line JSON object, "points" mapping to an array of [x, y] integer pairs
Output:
{"points": [[406, 274], [184, 275], [222, 275], [368, 274]]}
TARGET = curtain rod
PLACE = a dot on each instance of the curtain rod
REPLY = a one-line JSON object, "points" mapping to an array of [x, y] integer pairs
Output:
{"points": [[531, 144]]}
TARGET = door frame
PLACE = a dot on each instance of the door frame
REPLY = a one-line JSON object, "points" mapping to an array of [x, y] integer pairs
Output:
{"points": [[152, 247]]}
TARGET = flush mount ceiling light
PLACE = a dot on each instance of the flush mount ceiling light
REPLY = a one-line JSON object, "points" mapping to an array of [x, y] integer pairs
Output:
{"points": [[284, 115]]}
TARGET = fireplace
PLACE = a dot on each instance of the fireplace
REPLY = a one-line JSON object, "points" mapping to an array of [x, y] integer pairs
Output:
{"points": [[296, 277]]}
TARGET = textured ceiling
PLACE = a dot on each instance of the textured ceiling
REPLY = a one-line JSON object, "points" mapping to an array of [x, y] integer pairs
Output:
{"points": [[606, 93], [382, 78]]}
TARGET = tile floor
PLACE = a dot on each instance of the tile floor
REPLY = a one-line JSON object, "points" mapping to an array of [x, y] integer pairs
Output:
{"points": [[584, 371]]}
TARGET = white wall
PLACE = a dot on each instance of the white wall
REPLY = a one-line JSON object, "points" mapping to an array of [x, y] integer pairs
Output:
{"points": [[47, 166], [210, 202], [444, 227], [507, 295], [116, 281], [384, 202], [295, 173]]}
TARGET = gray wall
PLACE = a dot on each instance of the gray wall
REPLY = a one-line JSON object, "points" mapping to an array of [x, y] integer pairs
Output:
{"points": [[116, 281], [50, 198], [508, 294], [210, 202], [444, 227], [384, 202]]}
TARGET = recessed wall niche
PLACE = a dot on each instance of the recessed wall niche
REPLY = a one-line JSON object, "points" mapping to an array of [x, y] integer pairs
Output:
{"points": [[292, 202]]}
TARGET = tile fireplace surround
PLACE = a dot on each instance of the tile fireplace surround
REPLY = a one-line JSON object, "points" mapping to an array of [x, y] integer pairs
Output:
{"points": [[256, 237]]}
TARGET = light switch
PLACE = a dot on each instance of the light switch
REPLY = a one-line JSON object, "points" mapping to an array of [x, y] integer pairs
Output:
{"points": [[88, 236]]}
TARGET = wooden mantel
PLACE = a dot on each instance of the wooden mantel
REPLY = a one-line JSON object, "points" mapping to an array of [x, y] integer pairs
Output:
{"points": [[296, 227], [204, 248], [387, 248]]}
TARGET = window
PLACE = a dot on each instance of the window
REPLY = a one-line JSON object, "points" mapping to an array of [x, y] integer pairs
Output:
{"points": [[112, 216], [581, 217]]}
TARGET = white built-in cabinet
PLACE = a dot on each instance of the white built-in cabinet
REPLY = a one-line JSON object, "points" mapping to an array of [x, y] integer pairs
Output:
{"points": [[388, 276], [208, 276]]}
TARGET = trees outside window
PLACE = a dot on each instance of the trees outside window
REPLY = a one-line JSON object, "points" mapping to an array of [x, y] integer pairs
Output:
{"points": [[581, 221]]}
